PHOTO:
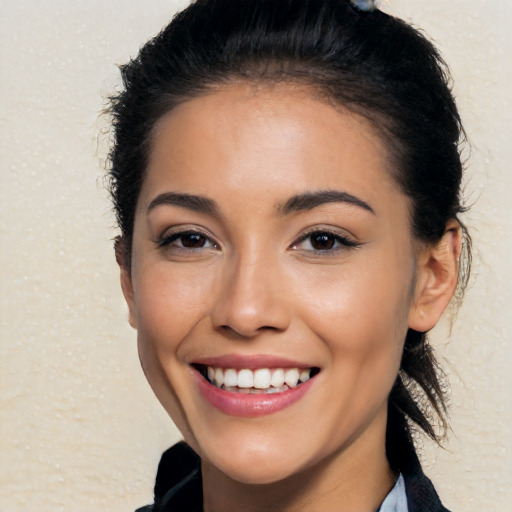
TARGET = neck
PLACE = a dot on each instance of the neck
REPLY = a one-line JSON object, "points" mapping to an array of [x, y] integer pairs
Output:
{"points": [[355, 479]]}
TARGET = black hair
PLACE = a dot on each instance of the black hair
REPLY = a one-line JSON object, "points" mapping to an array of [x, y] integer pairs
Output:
{"points": [[370, 63]]}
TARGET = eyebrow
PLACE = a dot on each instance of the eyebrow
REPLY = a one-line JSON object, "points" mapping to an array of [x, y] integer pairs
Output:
{"points": [[195, 203], [310, 200], [297, 203]]}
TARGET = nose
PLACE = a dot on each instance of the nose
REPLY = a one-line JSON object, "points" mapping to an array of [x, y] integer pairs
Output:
{"points": [[252, 298]]}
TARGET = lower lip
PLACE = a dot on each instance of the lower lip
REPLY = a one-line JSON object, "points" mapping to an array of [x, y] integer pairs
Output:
{"points": [[249, 405]]}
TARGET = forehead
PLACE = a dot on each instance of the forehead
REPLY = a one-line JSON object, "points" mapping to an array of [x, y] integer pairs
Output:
{"points": [[282, 139]]}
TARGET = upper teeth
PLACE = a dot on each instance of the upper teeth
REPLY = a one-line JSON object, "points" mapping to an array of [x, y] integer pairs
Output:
{"points": [[261, 378]]}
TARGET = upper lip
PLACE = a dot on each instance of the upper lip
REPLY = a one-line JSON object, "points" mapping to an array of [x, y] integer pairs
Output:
{"points": [[251, 362]]}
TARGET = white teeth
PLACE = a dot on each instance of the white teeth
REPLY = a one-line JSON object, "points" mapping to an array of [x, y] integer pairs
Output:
{"points": [[245, 379], [304, 375], [219, 377], [277, 390], [256, 381], [277, 379], [230, 378], [262, 378], [291, 377]]}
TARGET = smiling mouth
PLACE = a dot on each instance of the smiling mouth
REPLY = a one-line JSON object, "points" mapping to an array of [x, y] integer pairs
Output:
{"points": [[257, 381]]}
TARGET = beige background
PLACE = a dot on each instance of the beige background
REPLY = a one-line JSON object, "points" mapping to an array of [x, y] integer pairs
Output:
{"points": [[79, 427]]}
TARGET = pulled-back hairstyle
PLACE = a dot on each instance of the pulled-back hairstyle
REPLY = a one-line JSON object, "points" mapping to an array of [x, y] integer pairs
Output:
{"points": [[366, 62]]}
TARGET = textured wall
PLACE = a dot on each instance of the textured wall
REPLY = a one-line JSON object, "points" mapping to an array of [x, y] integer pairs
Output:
{"points": [[79, 427]]}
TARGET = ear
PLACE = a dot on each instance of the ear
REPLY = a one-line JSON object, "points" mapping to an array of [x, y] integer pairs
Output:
{"points": [[436, 279], [126, 279]]}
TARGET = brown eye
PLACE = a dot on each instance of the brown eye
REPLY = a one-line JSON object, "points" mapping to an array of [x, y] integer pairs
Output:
{"points": [[187, 240], [322, 241], [193, 240]]}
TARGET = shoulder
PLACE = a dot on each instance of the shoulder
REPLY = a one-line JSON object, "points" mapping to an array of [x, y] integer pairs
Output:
{"points": [[178, 481], [421, 494]]}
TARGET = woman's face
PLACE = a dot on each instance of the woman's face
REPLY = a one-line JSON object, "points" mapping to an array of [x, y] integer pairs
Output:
{"points": [[271, 243]]}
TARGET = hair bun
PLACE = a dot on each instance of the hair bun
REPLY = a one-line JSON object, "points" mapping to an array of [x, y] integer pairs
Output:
{"points": [[365, 5]]}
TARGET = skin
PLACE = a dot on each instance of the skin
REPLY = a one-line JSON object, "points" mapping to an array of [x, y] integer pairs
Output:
{"points": [[255, 285]]}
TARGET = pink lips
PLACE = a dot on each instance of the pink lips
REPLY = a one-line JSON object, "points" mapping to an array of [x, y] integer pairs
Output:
{"points": [[238, 362], [249, 405]]}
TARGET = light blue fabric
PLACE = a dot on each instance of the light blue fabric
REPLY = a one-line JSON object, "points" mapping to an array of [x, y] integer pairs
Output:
{"points": [[365, 5], [396, 500]]}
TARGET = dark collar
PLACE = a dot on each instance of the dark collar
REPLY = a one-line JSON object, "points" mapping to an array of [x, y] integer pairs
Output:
{"points": [[178, 485]]}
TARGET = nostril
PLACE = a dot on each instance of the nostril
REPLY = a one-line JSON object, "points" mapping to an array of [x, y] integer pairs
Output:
{"points": [[268, 328]]}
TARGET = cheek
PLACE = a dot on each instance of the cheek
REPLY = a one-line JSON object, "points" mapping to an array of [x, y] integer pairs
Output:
{"points": [[169, 304], [363, 298], [362, 321], [361, 316], [170, 301]]}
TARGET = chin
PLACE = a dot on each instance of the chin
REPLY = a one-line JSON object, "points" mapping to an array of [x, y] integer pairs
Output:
{"points": [[254, 465], [251, 474]]}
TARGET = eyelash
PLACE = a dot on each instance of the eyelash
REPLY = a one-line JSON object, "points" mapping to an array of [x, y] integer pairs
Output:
{"points": [[344, 242], [168, 239]]}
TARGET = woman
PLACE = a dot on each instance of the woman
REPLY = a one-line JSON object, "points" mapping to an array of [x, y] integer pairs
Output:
{"points": [[286, 178]]}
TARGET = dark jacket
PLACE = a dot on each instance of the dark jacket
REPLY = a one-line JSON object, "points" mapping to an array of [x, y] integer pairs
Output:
{"points": [[178, 485]]}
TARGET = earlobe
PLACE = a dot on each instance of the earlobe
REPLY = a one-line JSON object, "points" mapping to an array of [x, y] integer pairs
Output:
{"points": [[126, 280], [436, 279]]}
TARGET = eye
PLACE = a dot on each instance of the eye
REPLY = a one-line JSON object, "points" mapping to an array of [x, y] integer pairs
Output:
{"points": [[187, 240], [192, 240], [322, 241]]}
